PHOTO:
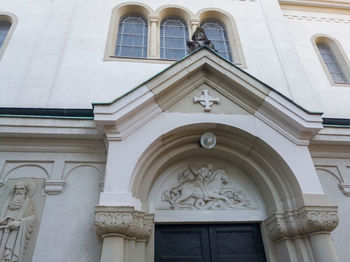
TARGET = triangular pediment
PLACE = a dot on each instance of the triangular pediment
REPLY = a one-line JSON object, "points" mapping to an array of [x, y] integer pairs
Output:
{"points": [[205, 76], [204, 98]]}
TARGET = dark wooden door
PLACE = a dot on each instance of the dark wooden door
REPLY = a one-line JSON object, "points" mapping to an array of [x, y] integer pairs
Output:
{"points": [[209, 243]]}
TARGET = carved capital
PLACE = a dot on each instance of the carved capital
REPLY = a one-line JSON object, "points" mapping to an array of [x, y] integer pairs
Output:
{"points": [[318, 219], [124, 221], [300, 222]]}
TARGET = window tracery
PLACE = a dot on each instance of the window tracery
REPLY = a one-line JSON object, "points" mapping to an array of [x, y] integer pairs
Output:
{"points": [[333, 60], [173, 37], [216, 32], [132, 37]]}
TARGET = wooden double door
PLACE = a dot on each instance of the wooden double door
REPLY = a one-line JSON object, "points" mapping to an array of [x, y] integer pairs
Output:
{"points": [[209, 243]]}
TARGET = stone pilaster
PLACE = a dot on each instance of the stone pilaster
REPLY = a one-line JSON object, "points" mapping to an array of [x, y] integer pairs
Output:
{"points": [[314, 223]]}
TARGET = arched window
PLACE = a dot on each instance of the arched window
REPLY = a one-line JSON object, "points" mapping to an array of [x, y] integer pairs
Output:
{"points": [[216, 33], [132, 37], [333, 60], [4, 29], [173, 37]]}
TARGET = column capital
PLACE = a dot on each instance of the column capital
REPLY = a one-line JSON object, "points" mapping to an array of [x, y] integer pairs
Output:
{"points": [[306, 220], [195, 21], [153, 19], [123, 221]]}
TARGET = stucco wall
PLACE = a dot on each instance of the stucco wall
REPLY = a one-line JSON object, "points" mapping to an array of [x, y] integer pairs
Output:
{"points": [[340, 235], [304, 25], [55, 56], [71, 174], [68, 221]]}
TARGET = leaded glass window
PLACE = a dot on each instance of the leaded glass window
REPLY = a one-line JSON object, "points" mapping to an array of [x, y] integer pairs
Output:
{"points": [[173, 38], [331, 62], [132, 37], [4, 28], [216, 33]]}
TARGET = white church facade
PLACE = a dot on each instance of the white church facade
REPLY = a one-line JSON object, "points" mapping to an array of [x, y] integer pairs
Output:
{"points": [[168, 131]]}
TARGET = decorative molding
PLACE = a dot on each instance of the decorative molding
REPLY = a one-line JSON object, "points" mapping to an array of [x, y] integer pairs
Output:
{"points": [[304, 221], [52, 187], [47, 127], [318, 19], [125, 115], [337, 171], [123, 221], [338, 4], [46, 145], [205, 188], [345, 188]]}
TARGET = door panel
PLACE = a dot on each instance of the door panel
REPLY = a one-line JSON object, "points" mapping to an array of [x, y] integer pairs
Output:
{"points": [[181, 243], [236, 243], [209, 243]]}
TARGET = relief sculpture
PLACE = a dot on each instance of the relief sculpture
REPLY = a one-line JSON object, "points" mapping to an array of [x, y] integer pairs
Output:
{"points": [[17, 221], [205, 188]]}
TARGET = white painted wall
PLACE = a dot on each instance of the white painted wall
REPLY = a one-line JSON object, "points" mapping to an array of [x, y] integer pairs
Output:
{"points": [[68, 221], [55, 56], [340, 235], [333, 99]]}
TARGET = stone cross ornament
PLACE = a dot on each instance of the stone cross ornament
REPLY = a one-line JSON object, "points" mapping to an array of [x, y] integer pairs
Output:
{"points": [[199, 39], [206, 100]]}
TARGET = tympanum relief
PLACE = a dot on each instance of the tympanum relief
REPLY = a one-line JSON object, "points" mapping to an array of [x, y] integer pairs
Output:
{"points": [[205, 188]]}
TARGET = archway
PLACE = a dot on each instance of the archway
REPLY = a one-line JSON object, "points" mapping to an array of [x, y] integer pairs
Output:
{"points": [[281, 208]]}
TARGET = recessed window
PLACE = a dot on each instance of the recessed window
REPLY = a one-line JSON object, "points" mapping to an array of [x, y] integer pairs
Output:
{"points": [[333, 59], [132, 37], [137, 31], [216, 33], [4, 29], [331, 62], [173, 37]]}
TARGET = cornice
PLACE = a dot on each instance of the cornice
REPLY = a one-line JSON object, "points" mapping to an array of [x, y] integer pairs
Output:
{"points": [[318, 3], [47, 127], [289, 120], [50, 145], [336, 135]]}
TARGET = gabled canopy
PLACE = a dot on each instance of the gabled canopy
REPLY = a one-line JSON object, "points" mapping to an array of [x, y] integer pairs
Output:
{"points": [[174, 89]]}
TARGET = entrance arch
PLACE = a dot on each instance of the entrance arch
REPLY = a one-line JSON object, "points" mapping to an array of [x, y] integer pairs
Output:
{"points": [[277, 183], [284, 216]]}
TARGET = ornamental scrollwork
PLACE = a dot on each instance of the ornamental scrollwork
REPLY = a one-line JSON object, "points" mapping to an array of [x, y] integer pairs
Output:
{"points": [[205, 188]]}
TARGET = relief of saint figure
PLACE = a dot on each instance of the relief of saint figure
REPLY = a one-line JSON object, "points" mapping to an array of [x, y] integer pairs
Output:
{"points": [[17, 221]]}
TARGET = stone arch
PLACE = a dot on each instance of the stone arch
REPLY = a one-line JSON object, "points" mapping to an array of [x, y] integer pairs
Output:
{"points": [[231, 28], [278, 185], [68, 173], [329, 172], [21, 166], [174, 10]]}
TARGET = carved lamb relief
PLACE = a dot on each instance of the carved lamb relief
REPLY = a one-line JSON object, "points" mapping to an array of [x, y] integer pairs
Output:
{"points": [[205, 188]]}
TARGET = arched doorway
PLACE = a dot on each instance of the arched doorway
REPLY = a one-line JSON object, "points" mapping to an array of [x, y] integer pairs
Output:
{"points": [[254, 170]]}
